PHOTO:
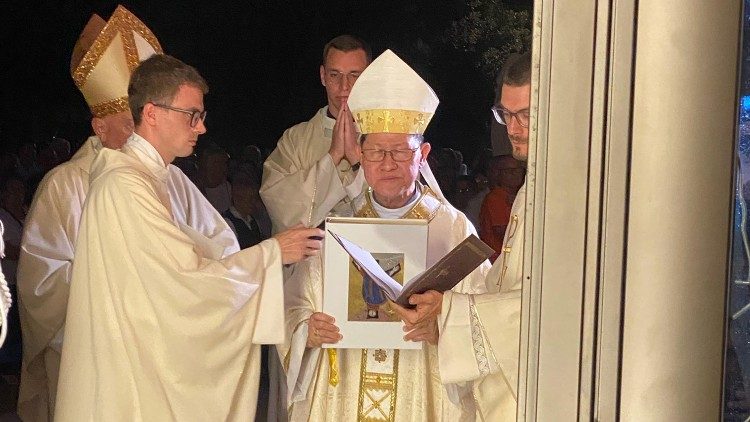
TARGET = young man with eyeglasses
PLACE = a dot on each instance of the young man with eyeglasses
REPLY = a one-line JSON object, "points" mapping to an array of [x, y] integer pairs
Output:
{"points": [[478, 343], [392, 107], [51, 228], [313, 170], [163, 324]]}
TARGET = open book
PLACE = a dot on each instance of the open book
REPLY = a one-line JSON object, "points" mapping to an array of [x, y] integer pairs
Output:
{"points": [[442, 276]]}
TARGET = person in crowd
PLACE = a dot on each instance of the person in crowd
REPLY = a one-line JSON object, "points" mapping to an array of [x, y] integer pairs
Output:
{"points": [[27, 162], [247, 216], [465, 190], [506, 176], [61, 146], [480, 170], [213, 172], [248, 220]]}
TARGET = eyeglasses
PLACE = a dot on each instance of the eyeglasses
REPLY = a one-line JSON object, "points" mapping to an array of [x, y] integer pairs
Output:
{"points": [[337, 77], [503, 116], [399, 155], [195, 115]]}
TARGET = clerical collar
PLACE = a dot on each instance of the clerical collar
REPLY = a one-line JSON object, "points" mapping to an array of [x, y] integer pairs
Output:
{"points": [[144, 152], [140, 144], [96, 143], [394, 213]]}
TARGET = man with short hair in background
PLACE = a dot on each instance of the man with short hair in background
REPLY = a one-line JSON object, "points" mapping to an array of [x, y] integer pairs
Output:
{"points": [[313, 170]]}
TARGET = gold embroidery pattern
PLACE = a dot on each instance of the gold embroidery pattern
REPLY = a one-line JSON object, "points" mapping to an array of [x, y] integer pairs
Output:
{"points": [[333, 367], [419, 211], [115, 106], [121, 22], [380, 355], [510, 232], [392, 121], [377, 390]]}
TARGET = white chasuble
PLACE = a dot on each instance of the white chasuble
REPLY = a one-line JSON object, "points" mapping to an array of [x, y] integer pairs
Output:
{"points": [[480, 333], [370, 384], [159, 326], [301, 184], [45, 266]]}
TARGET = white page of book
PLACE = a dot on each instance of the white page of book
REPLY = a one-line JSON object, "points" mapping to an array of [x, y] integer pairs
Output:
{"points": [[401, 248]]}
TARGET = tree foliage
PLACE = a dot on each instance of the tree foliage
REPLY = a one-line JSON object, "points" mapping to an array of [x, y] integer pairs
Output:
{"points": [[489, 31]]}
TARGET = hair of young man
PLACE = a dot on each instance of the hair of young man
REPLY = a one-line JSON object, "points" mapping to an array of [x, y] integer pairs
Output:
{"points": [[515, 72], [157, 80], [347, 43]]}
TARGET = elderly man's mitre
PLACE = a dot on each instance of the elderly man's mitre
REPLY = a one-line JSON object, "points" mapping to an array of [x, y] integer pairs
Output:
{"points": [[389, 97], [104, 57]]}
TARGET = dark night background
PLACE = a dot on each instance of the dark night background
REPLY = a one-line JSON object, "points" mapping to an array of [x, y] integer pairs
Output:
{"points": [[260, 59]]}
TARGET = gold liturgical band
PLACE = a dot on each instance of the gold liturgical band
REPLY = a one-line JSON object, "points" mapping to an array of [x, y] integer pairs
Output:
{"points": [[104, 70], [115, 106], [392, 121], [333, 364]]}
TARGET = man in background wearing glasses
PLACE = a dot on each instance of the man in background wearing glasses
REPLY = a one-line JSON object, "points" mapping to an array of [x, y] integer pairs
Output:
{"points": [[479, 338], [313, 169], [162, 324]]}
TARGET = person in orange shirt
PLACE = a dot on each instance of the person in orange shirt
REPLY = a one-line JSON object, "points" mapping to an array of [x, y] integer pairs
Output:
{"points": [[506, 177]]}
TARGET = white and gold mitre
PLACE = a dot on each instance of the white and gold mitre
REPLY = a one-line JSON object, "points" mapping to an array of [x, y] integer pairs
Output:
{"points": [[105, 56], [389, 96]]}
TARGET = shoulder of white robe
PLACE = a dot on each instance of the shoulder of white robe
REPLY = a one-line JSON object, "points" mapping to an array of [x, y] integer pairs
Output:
{"points": [[426, 172]]}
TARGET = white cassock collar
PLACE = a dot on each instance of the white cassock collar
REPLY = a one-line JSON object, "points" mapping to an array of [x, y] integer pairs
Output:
{"points": [[147, 154], [394, 213]]}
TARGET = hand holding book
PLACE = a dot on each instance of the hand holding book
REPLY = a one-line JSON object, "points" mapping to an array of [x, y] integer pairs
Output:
{"points": [[442, 276]]}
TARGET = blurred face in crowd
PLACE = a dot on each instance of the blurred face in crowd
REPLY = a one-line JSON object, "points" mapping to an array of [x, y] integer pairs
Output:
{"points": [[113, 130], [517, 99], [509, 173], [393, 181], [216, 169], [339, 72], [465, 190], [245, 198]]}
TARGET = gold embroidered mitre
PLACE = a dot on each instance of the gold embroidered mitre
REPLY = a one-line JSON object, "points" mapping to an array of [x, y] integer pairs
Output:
{"points": [[104, 57], [389, 96]]}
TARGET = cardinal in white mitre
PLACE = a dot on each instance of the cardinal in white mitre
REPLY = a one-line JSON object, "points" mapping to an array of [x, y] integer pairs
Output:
{"points": [[392, 107]]}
